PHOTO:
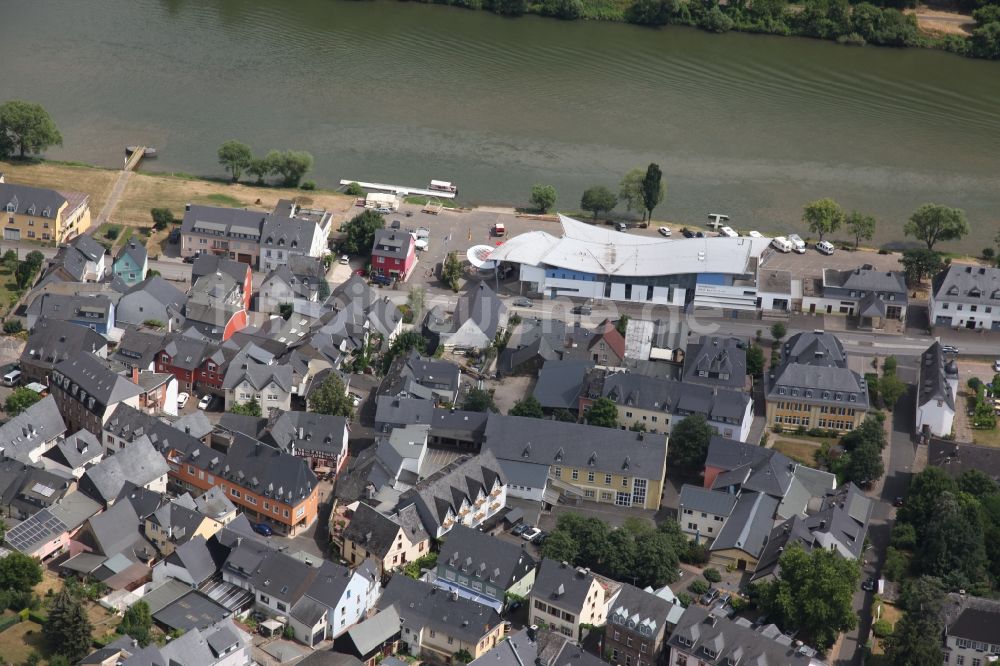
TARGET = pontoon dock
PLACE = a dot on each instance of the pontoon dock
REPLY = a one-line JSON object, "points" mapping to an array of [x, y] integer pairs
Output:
{"points": [[401, 190]]}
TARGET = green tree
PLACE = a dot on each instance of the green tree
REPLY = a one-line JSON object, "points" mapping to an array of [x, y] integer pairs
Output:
{"points": [[354, 190], [509, 7], [916, 639], [543, 197], [259, 168], [236, 157], [619, 558], [813, 592], [952, 544], [162, 218], [24, 275], [861, 226], [650, 12], [403, 343], [137, 622], [598, 199], [976, 483], [630, 190], [451, 271], [689, 444], [13, 326], [67, 630], [924, 495], [755, 361], [561, 547], [920, 263], [19, 572], [655, 559], [778, 330], [249, 408], [19, 400], [653, 189], [603, 412], [285, 310], [479, 400], [291, 165], [461, 657], [622, 324], [932, 223], [360, 231], [27, 128], [331, 398], [891, 388], [864, 464], [824, 216], [527, 406], [35, 259]]}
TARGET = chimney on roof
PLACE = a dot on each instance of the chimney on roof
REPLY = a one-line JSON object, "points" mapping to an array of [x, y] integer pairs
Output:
{"points": [[135, 374]]}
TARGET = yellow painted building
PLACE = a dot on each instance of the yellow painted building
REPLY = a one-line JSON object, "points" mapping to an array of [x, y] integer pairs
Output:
{"points": [[614, 488], [794, 413], [43, 215], [166, 538]]}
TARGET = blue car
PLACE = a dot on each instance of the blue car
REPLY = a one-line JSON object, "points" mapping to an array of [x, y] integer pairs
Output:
{"points": [[262, 529], [382, 279]]}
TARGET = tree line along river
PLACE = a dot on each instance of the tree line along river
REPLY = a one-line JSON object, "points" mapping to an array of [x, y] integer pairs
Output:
{"points": [[749, 125]]}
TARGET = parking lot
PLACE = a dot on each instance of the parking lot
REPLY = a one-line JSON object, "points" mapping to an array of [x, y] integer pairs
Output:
{"points": [[812, 263]]}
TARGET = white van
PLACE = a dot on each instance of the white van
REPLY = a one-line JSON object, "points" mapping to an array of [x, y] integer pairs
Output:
{"points": [[12, 378], [781, 244], [728, 232], [798, 244]]}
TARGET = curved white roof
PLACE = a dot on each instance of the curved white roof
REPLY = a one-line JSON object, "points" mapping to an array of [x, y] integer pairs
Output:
{"points": [[591, 249]]}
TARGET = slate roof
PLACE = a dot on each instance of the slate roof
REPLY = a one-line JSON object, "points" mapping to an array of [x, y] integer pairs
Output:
{"points": [[24, 433], [258, 375], [814, 370], [34, 201], [76, 450], [637, 608], [138, 347], [967, 284], [135, 251], [370, 634], [71, 511], [732, 640], [484, 557], [750, 467], [560, 383], [391, 243], [423, 604], [53, 340], [575, 445], [445, 490], [562, 584], [214, 503], [749, 526], [391, 411], [94, 377], [716, 360], [374, 531], [73, 257], [92, 307], [480, 305], [867, 278], [161, 291], [192, 611], [222, 222], [714, 502], [289, 233], [308, 431], [935, 371], [138, 462], [971, 618], [116, 530], [411, 372]]}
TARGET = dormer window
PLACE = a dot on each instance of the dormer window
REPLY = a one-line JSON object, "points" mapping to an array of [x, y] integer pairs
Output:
{"points": [[953, 290], [975, 292]]}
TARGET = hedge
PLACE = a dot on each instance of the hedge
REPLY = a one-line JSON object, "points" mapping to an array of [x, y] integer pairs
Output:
{"points": [[8, 622]]}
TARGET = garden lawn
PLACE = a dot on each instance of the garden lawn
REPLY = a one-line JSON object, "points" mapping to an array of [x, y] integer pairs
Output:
{"points": [[19, 641], [798, 450]]}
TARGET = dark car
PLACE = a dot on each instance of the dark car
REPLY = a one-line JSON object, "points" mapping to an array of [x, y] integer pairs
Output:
{"points": [[949, 349], [699, 235], [263, 529], [582, 310], [190, 260], [384, 280], [687, 233], [897, 502], [868, 585], [518, 529], [395, 224]]}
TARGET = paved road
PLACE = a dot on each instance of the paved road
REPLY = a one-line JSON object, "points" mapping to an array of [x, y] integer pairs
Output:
{"points": [[116, 194], [899, 469]]}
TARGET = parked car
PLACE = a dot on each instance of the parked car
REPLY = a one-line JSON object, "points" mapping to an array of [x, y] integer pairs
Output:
{"points": [[395, 224], [699, 234], [182, 399], [781, 244], [898, 502], [582, 310], [996, 365], [383, 280], [825, 247], [540, 539], [205, 401], [190, 260], [664, 231], [530, 534], [344, 260], [621, 226], [709, 597], [798, 244], [755, 234], [519, 529], [728, 232], [384, 211], [687, 233], [869, 585], [355, 399], [949, 349], [361, 272], [262, 528], [523, 302]]}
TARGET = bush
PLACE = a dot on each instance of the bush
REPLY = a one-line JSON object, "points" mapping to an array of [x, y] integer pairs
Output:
{"points": [[308, 185], [988, 253], [696, 554], [739, 603], [111, 233], [712, 575], [355, 190], [699, 587], [8, 621], [896, 565], [685, 599], [881, 628], [12, 326]]}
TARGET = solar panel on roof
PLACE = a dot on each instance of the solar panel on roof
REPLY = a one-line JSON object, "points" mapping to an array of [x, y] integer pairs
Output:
{"points": [[42, 490]]}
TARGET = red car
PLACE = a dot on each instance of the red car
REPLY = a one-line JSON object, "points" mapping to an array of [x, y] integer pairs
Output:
{"points": [[360, 272]]}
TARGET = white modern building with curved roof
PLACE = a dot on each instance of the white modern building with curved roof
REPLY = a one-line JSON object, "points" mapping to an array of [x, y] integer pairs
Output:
{"points": [[595, 262]]}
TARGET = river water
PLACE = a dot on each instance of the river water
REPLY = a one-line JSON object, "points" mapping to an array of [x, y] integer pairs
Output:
{"points": [[403, 92]]}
